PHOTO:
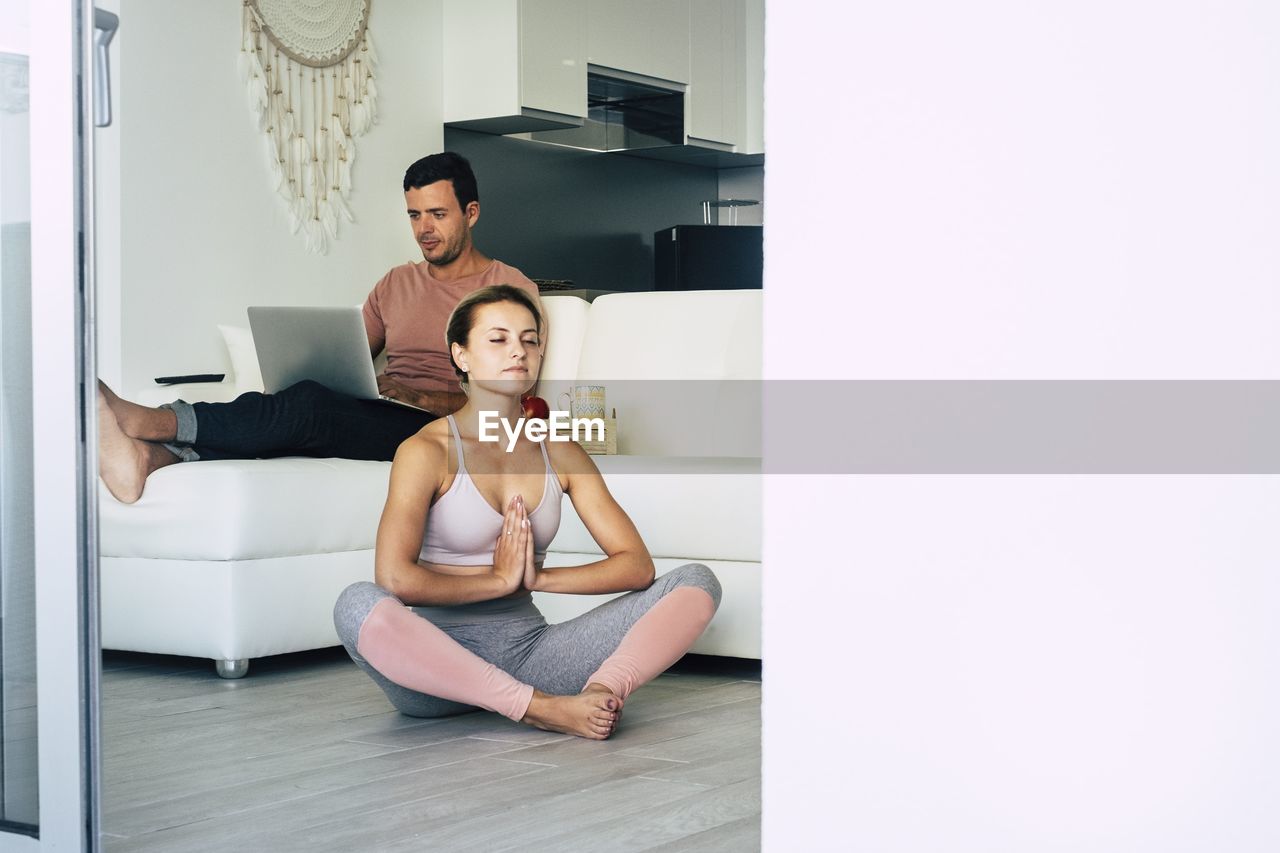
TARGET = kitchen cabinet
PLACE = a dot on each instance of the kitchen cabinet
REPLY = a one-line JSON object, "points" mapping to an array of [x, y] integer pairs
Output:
{"points": [[724, 103], [715, 47], [520, 66], [750, 78], [711, 101], [650, 38], [512, 66]]}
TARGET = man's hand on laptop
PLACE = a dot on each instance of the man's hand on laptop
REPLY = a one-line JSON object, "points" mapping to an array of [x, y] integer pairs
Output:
{"points": [[437, 402], [397, 390]]}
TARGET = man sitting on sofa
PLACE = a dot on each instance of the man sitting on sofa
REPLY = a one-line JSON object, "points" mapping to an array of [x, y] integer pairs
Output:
{"points": [[405, 314]]}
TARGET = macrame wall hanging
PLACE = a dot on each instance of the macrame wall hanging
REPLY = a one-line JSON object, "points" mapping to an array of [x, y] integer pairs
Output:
{"points": [[308, 67]]}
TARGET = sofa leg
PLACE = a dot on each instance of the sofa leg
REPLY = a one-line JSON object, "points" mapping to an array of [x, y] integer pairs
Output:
{"points": [[237, 668]]}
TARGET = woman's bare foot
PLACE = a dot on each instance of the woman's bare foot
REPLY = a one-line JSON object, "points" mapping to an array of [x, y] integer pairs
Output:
{"points": [[597, 687], [137, 421], [124, 463], [593, 713]]}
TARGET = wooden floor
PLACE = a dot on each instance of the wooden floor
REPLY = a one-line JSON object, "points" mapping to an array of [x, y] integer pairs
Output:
{"points": [[306, 754]]}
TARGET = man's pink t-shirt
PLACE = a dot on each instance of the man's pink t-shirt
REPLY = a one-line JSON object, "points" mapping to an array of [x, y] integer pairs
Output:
{"points": [[408, 309]]}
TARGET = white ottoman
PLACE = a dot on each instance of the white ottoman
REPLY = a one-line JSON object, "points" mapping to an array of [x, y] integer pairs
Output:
{"points": [[233, 560]]}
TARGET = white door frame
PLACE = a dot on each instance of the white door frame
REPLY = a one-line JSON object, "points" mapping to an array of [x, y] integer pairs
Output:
{"points": [[65, 496]]}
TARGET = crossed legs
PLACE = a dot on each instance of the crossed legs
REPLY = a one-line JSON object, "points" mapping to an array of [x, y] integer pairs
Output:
{"points": [[573, 677], [413, 653]]}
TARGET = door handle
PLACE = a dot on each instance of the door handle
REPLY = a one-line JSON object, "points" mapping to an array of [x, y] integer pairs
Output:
{"points": [[105, 25]]}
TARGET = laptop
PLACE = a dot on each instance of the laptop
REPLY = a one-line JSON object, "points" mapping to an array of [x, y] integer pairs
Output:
{"points": [[325, 345]]}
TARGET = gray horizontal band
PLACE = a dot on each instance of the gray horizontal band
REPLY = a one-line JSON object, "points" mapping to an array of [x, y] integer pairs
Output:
{"points": [[1022, 427]]}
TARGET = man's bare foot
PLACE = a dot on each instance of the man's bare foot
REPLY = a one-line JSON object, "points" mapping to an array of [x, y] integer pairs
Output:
{"points": [[137, 421], [591, 714], [124, 463]]}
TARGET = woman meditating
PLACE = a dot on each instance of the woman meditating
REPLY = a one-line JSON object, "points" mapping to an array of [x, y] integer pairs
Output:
{"points": [[450, 624]]}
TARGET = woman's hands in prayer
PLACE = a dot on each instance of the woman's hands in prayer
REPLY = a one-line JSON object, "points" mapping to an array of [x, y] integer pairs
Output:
{"points": [[513, 553], [530, 567], [514, 546]]}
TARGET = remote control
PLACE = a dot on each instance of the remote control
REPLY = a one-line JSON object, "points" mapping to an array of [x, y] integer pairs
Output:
{"points": [[190, 377]]}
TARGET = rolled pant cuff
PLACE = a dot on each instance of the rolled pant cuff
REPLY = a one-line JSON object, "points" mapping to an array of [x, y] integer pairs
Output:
{"points": [[184, 453], [186, 416]]}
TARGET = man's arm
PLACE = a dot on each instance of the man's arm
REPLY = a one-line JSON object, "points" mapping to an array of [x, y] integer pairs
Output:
{"points": [[376, 344], [374, 329], [439, 403]]}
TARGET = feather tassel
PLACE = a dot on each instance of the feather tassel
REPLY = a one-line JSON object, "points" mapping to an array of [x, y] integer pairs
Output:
{"points": [[273, 162], [301, 150], [310, 118], [315, 236], [340, 205], [344, 176], [297, 214], [321, 148], [258, 101], [329, 220], [338, 139], [371, 100]]}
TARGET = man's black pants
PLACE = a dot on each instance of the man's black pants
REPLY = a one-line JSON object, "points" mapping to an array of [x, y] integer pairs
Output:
{"points": [[306, 419]]}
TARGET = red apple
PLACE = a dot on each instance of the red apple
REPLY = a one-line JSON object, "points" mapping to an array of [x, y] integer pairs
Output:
{"points": [[535, 407]]}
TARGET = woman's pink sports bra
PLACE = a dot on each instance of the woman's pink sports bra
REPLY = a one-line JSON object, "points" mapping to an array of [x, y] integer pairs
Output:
{"points": [[462, 526]]}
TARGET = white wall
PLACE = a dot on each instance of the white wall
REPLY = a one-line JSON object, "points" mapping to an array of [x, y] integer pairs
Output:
{"points": [[1084, 190], [203, 233]]}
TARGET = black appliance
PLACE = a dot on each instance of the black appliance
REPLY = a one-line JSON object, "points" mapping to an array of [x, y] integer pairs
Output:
{"points": [[708, 257]]}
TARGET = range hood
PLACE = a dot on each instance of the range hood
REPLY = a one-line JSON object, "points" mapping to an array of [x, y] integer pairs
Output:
{"points": [[627, 114], [642, 117], [623, 114]]}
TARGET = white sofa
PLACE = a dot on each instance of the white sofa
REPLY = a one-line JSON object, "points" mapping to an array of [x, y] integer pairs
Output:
{"points": [[233, 560]]}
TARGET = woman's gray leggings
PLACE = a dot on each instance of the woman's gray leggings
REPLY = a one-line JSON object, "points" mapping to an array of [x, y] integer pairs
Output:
{"points": [[513, 635]]}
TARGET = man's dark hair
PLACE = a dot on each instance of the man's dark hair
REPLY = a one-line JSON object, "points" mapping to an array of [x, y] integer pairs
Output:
{"points": [[445, 166]]}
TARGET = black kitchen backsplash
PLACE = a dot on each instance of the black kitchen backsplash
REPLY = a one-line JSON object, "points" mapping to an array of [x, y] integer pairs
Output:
{"points": [[561, 213]]}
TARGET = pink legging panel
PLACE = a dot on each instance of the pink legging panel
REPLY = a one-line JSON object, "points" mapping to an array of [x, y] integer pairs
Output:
{"points": [[621, 644]]}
